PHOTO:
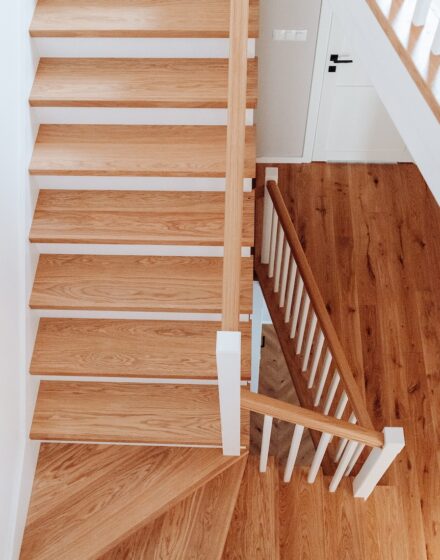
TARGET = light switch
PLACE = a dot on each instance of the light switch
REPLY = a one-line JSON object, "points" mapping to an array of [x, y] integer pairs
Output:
{"points": [[289, 35]]}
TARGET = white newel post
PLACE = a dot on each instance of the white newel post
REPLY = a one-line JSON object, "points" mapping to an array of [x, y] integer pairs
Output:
{"points": [[228, 354], [378, 462], [258, 309]]}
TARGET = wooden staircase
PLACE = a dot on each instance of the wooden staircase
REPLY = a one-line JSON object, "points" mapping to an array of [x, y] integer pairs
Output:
{"points": [[92, 501], [129, 237]]}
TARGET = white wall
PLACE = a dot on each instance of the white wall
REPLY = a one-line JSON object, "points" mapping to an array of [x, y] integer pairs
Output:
{"points": [[11, 285], [285, 76], [17, 326]]}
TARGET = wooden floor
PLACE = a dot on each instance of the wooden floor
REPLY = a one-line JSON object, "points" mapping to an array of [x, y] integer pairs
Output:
{"points": [[372, 236]]}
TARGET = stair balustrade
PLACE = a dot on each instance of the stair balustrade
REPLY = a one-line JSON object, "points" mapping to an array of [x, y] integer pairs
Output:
{"points": [[384, 446], [314, 354], [229, 338]]}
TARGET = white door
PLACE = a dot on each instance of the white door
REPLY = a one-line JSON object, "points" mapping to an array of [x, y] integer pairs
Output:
{"points": [[353, 124]]}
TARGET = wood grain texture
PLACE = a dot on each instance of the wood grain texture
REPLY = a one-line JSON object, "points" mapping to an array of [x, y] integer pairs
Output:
{"points": [[371, 235], [129, 413], [133, 283], [309, 418], [135, 217], [318, 525], [136, 150], [88, 498], [136, 82], [254, 531], [302, 531], [235, 163], [125, 348], [194, 529], [413, 44], [139, 18]]}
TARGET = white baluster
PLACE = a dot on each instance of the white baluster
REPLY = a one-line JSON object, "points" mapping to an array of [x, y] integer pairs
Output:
{"points": [[293, 453], [290, 289], [331, 392], [309, 342], [378, 462], [316, 358], [278, 259], [318, 457], [265, 442], [268, 213], [343, 441], [228, 353], [303, 323], [421, 12], [355, 458], [273, 244], [286, 261], [323, 378], [296, 306], [341, 406], [343, 464], [435, 48]]}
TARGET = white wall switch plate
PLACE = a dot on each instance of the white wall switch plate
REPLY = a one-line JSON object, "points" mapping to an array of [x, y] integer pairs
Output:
{"points": [[289, 35]]}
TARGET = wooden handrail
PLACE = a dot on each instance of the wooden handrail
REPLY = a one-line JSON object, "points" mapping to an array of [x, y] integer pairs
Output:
{"points": [[235, 159], [310, 419], [319, 308]]}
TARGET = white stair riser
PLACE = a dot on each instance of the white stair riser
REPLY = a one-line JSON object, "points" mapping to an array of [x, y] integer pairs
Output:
{"points": [[150, 380], [61, 47], [143, 250], [138, 116], [198, 184], [132, 315]]}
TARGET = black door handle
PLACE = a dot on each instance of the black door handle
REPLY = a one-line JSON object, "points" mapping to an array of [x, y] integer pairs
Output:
{"points": [[335, 59]]}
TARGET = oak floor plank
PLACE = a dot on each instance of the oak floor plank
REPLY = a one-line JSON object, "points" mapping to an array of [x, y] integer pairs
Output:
{"points": [[393, 256], [136, 82], [302, 518], [129, 413], [135, 217], [254, 531], [138, 18], [103, 510], [131, 348], [136, 150], [135, 283]]}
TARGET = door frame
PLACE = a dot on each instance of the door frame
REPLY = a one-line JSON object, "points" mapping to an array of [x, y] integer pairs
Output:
{"points": [[319, 71]]}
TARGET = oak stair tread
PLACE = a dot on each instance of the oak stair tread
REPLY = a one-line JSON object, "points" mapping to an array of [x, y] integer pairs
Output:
{"points": [[194, 529], [135, 283], [136, 82], [136, 150], [135, 217], [137, 413], [137, 18], [87, 499], [254, 530], [131, 348]]}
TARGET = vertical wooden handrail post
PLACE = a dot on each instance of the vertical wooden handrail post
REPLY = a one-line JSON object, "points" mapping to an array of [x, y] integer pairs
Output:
{"points": [[235, 160]]}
